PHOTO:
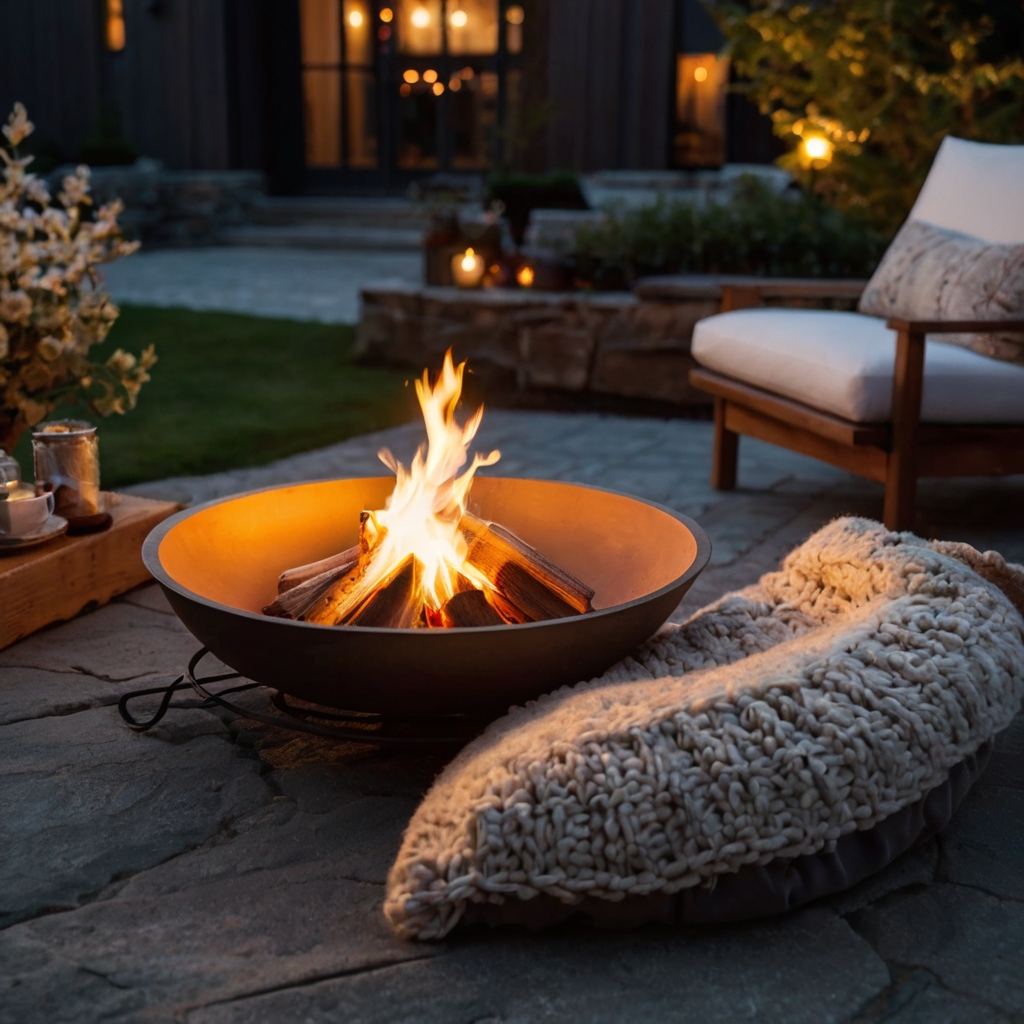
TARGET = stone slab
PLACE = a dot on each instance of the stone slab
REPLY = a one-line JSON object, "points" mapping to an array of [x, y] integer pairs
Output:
{"points": [[85, 799], [807, 968], [972, 942]]}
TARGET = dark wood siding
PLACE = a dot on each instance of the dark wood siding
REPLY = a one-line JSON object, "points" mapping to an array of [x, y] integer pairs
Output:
{"points": [[172, 82], [49, 59], [610, 68]]}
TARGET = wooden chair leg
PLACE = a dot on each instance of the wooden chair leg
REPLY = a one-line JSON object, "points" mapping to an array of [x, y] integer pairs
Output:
{"points": [[901, 469], [725, 452]]}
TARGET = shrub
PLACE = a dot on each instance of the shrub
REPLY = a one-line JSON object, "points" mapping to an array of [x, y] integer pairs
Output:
{"points": [[760, 231], [883, 81]]}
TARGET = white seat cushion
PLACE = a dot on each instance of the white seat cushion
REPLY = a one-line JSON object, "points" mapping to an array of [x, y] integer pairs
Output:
{"points": [[843, 363]]}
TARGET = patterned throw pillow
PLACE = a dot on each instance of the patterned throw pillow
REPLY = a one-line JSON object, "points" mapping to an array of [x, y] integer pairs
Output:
{"points": [[929, 273]]}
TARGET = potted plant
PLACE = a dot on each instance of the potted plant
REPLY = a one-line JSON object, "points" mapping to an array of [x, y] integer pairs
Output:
{"points": [[53, 308]]}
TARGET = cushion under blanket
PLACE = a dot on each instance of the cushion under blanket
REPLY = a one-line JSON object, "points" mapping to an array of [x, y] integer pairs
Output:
{"points": [[821, 701]]}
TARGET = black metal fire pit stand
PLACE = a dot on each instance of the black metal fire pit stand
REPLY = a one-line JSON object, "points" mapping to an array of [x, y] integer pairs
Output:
{"points": [[352, 727]]}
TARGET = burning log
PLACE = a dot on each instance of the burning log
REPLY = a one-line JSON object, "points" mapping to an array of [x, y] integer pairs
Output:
{"points": [[470, 608], [341, 598], [343, 562], [397, 603], [537, 587], [295, 601]]}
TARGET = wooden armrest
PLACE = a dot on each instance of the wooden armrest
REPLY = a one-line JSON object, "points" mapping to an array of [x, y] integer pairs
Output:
{"points": [[746, 293], [953, 326]]}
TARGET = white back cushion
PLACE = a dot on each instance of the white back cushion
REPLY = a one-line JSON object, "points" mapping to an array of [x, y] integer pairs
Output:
{"points": [[975, 188]]}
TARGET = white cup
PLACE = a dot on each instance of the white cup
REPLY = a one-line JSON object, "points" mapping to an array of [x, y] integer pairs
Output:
{"points": [[20, 518]]}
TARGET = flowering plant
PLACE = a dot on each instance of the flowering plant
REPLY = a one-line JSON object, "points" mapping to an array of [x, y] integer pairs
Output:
{"points": [[52, 306]]}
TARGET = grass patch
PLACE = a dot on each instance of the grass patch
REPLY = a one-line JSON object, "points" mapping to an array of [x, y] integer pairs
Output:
{"points": [[232, 391]]}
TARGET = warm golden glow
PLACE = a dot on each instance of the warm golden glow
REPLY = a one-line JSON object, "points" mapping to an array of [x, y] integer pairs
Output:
{"points": [[386, 14], [429, 76], [469, 260], [405, 89], [420, 17], [115, 25], [466, 74], [437, 88], [817, 149], [455, 84], [700, 74], [355, 19], [514, 15], [421, 517], [412, 76], [524, 276], [459, 19]]}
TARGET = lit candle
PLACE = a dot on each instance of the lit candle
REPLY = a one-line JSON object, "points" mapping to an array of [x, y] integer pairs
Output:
{"points": [[468, 269], [524, 276]]}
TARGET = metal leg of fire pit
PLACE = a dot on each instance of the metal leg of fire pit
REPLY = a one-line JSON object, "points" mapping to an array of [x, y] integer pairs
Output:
{"points": [[363, 728]]}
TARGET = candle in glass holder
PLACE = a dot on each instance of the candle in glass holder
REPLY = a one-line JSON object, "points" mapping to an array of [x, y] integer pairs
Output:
{"points": [[67, 462], [468, 269]]}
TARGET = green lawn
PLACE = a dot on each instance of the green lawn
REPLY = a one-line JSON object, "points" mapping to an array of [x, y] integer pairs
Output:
{"points": [[234, 391]]}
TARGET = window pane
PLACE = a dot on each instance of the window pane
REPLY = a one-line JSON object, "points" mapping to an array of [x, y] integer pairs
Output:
{"points": [[323, 118], [358, 26], [473, 26], [473, 99], [419, 26], [321, 32], [362, 119], [417, 127], [701, 79]]}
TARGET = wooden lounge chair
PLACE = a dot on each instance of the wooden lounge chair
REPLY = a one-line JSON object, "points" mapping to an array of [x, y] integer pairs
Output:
{"points": [[862, 393]]}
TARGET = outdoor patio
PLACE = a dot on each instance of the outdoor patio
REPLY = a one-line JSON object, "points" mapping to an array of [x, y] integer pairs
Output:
{"points": [[214, 870]]}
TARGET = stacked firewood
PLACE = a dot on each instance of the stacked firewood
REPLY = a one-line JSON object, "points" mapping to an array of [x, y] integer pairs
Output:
{"points": [[524, 586]]}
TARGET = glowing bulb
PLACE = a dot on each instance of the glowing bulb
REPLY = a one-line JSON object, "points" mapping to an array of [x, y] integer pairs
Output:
{"points": [[817, 147], [524, 276], [469, 260], [514, 15], [411, 76], [437, 88], [459, 19], [420, 17], [386, 14], [430, 75], [700, 74], [355, 19]]}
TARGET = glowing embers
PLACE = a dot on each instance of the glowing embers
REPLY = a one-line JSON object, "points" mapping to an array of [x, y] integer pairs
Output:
{"points": [[424, 561]]}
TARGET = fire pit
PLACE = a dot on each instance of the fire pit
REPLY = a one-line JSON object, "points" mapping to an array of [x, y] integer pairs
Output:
{"points": [[219, 563]]}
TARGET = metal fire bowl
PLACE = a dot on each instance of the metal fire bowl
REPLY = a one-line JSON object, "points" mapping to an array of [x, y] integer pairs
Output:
{"points": [[218, 565]]}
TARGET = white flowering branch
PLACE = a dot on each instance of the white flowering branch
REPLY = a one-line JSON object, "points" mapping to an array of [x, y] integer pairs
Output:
{"points": [[52, 306]]}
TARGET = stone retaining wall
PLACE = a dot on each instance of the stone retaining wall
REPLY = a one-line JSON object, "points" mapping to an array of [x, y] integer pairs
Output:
{"points": [[632, 345]]}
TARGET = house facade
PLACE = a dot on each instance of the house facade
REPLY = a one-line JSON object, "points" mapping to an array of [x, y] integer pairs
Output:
{"points": [[368, 95]]}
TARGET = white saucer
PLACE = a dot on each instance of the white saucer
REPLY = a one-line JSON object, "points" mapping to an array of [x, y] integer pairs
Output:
{"points": [[55, 526]]}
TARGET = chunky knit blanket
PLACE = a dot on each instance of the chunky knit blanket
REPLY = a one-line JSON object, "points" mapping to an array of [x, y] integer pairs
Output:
{"points": [[819, 701]]}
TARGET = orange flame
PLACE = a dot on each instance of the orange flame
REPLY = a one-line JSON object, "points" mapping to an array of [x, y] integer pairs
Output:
{"points": [[421, 517]]}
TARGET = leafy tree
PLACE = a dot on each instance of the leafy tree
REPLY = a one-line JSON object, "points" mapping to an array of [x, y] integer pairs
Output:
{"points": [[883, 81]]}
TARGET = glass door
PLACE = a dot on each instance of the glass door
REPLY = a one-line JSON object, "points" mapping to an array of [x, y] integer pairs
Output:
{"points": [[397, 90], [339, 84]]}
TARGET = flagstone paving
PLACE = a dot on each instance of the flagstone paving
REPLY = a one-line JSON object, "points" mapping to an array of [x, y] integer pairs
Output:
{"points": [[217, 871]]}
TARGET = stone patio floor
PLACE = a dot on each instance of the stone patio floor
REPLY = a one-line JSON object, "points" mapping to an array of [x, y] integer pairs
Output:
{"points": [[217, 871]]}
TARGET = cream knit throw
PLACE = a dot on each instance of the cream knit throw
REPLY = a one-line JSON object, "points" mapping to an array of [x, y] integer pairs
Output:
{"points": [[818, 701]]}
